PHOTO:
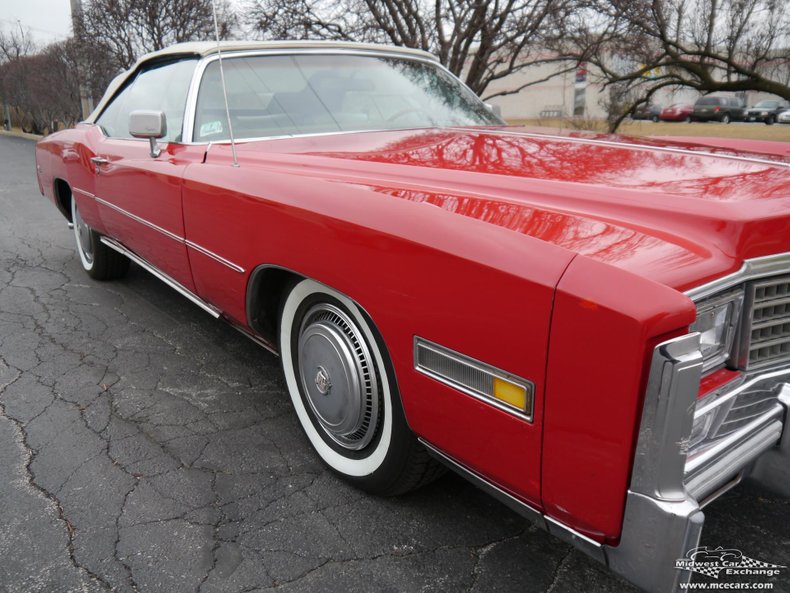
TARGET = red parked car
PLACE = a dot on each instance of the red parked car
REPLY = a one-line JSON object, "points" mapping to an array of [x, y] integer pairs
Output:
{"points": [[594, 330], [677, 112]]}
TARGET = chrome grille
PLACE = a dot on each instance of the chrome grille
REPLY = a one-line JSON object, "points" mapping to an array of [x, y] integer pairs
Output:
{"points": [[769, 332]]}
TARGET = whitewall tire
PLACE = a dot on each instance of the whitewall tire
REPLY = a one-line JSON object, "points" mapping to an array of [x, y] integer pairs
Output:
{"points": [[98, 260], [343, 390]]}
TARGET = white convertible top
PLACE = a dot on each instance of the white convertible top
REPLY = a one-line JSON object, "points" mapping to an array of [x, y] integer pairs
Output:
{"points": [[207, 48]]}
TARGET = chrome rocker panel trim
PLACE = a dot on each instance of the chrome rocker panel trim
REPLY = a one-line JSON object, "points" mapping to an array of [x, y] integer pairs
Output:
{"points": [[180, 288], [563, 532]]}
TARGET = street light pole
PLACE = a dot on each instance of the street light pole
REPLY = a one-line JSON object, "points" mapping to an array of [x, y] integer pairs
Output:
{"points": [[86, 101]]}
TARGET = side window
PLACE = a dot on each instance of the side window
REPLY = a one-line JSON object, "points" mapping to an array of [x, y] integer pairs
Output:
{"points": [[162, 87]]}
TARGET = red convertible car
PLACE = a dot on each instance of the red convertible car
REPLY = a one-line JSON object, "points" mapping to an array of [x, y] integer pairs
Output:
{"points": [[596, 330], [677, 112]]}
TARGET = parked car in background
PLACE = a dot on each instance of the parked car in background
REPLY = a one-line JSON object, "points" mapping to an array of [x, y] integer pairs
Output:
{"points": [[594, 330], [784, 117], [677, 112], [718, 108], [767, 111], [646, 111]]}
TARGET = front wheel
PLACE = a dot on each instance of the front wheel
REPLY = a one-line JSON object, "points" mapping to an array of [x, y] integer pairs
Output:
{"points": [[343, 389], [770, 120], [98, 260]]}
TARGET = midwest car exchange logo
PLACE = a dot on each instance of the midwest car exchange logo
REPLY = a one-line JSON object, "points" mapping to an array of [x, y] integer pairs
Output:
{"points": [[730, 562]]}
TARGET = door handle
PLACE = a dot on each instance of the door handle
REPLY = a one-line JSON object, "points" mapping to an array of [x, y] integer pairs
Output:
{"points": [[98, 161]]}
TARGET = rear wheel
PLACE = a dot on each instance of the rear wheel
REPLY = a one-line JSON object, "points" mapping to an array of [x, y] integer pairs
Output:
{"points": [[98, 260], [344, 392], [725, 119]]}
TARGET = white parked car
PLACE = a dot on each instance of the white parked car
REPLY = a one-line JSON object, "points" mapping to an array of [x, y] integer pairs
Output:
{"points": [[784, 117]]}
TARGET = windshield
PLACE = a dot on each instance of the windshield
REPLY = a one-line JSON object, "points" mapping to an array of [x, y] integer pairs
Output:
{"points": [[303, 94], [768, 104]]}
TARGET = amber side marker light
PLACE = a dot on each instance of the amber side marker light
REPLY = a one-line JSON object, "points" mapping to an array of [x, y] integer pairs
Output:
{"points": [[494, 386], [510, 393]]}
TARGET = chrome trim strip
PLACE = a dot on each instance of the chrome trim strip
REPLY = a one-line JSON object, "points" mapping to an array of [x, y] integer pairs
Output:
{"points": [[183, 290], [563, 532], [87, 194], [595, 141], [580, 541], [214, 256], [510, 501], [479, 366], [165, 232], [142, 221], [259, 341], [751, 269]]}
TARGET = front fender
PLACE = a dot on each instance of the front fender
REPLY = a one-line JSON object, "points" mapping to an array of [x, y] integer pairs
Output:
{"points": [[605, 324]]}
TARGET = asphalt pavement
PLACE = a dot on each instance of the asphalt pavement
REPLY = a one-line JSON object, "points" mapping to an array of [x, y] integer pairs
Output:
{"points": [[146, 447]]}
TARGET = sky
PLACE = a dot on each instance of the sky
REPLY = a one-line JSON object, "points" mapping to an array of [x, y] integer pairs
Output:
{"points": [[48, 20]]}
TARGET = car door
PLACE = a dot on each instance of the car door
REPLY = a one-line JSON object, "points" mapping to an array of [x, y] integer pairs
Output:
{"points": [[138, 196]]}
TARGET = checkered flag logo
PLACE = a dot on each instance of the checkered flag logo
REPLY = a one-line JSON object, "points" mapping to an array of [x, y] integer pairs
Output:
{"points": [[710, 562], [747, 562]]}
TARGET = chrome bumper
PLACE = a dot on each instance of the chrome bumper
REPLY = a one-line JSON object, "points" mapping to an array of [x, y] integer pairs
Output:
{"points": [[663, 518]]}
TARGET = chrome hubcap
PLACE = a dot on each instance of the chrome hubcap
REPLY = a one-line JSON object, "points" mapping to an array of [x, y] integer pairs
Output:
{"points": [[83, 233], [338, 376]]}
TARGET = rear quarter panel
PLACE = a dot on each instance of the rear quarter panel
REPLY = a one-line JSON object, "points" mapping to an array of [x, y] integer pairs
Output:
{"points": [[66, 155]]}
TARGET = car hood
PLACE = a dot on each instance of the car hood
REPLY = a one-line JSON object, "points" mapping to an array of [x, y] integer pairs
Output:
{"points": [[678, 213]]}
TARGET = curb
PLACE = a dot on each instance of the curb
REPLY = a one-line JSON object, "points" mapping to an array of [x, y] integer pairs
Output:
{"points": [[18, 134]]}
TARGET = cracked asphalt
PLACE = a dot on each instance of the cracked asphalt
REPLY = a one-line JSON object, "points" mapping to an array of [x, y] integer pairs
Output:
{"points": [[145, 446]]}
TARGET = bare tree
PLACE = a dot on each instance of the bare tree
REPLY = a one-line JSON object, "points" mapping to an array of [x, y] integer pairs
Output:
{"points": [[481, 41], [43, 88], [15, 45], [126, 29], [642, 46]]}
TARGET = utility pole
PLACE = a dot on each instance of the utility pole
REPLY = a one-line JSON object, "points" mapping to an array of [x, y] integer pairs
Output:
{"points": [[86, 101]]}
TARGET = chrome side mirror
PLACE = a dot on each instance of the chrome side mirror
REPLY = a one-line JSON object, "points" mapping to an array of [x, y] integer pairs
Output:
{"points": [[148, 124]]}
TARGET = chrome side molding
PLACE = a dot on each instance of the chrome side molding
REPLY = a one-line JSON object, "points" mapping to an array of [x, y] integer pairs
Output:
{"points": [[180, 288], [559, 530]]}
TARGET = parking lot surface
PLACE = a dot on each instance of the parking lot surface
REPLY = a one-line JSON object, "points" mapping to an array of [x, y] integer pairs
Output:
{"points": [[145, 446]]}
